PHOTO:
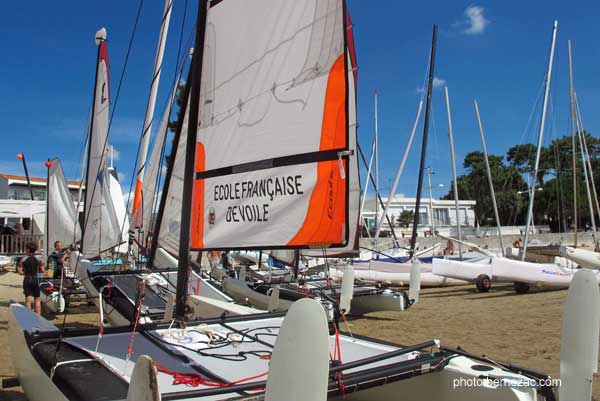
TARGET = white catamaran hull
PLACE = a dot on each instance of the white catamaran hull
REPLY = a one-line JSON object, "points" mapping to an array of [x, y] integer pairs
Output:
{"points": [[468, 271], [538, 274], [583, 257], [441, 385], [35, 382], [396, 274]]}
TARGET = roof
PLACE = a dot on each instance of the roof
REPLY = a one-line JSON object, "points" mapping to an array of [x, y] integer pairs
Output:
{"points": [[21, 179]]}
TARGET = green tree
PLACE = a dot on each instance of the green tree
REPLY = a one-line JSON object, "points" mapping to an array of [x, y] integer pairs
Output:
{"points": [[406, 218]]}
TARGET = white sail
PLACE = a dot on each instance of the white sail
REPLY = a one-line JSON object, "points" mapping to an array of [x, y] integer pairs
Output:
{"points": [[273, 132], [101, 229], [168, 237], [118, 204], [62, 217], [137, 214], [153, 170]]}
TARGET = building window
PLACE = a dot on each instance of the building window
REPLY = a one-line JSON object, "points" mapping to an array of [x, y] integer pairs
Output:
{"points": [[441, 217]]}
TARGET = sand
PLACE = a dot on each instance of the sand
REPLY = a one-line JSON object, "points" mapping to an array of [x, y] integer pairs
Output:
{"points": [[522, 329]]}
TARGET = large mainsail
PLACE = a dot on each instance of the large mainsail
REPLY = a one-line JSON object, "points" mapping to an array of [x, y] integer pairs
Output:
{"points": [[101, 229], [62, 223], [272, 145]]}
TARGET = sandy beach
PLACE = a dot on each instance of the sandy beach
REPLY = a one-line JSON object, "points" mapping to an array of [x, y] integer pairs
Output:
{"points": [[522, 329]]}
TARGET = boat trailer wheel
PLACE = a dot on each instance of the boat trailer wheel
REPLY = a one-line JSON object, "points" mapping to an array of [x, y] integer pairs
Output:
{"points": [[521, 288], [483, 283]]}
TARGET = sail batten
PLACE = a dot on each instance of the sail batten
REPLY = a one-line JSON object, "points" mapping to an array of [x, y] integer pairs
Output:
{"points": [[273, 136]]}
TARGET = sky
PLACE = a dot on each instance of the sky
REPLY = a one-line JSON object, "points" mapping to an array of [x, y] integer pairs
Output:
{"points": [[495, 52]]}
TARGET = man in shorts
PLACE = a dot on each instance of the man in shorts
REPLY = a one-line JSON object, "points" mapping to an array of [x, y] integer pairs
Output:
{"points": [[29, 266]]}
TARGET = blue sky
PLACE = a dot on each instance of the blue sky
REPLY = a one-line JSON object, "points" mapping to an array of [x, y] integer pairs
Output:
{"points": [[496, 52]]}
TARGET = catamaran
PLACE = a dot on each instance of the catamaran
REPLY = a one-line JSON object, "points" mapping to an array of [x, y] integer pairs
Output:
{"points": [[272, 102]]}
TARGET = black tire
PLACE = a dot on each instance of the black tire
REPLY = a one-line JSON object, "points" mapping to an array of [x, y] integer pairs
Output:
{"points": [[483, 283], [521, 288]]}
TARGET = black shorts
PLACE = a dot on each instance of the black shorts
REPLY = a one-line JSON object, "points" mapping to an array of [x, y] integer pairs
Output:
{"points": [[31, 287]]}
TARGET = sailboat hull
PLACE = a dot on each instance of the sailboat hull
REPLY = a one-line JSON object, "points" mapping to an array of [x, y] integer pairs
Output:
{"points": [[445, 379], [35, 382], [538, 274]]}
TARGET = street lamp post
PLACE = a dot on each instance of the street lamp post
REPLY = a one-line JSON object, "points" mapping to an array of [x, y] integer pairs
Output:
{"points": [[21, 156]]}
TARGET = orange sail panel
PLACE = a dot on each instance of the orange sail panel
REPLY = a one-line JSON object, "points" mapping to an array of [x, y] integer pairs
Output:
{"points": [[273, 127]]}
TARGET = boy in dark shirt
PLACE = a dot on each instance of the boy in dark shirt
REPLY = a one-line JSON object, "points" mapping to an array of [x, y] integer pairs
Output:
{"points": [[58, 258], [29, 266]]}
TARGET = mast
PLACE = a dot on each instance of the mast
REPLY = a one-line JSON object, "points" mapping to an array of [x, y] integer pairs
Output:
{"points": [[540, 140], [364, 197], [587, 157], [454, 176], [399, 171], [587, 184], [136, 212], [189, 177], [489, 176], [424, 143], [47, 228], [100, 37], [376, 144], [574, 143], [431, 223]]}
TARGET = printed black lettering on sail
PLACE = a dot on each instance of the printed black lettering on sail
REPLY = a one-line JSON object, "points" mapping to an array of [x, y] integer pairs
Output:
{"points": [[256, 197]]}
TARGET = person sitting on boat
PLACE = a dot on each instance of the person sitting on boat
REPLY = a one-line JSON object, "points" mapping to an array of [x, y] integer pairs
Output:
{"points": [[214, 258], [227, 266], [449, 250], [58, 258], [29, 266]]}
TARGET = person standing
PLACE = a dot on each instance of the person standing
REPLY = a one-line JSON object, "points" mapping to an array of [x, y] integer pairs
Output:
{"points": [[58, 258], [29, 266]]}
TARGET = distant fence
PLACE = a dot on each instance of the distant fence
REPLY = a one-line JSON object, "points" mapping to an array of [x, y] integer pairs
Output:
{"points": [[16, 244]]}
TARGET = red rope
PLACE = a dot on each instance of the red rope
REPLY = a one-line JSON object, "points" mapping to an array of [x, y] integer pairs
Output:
{"points": [[141, 289], [337, 356], [194, 380]]}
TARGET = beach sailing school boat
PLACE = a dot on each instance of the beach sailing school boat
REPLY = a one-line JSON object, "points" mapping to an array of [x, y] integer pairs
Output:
{"points": [[280, 83], [113, 284], [101, 226], [288, 283]]}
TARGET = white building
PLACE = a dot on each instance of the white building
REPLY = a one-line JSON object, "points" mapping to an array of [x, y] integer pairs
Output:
{"points": [[18, 211], [434, 213]]}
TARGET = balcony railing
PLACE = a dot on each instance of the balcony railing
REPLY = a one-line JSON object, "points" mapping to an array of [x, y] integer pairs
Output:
{"points": [[17, 244]]}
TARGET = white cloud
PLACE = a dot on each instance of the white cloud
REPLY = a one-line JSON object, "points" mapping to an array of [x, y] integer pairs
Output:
{"points": [[437, 83], [475, 21], [121, 178]]}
